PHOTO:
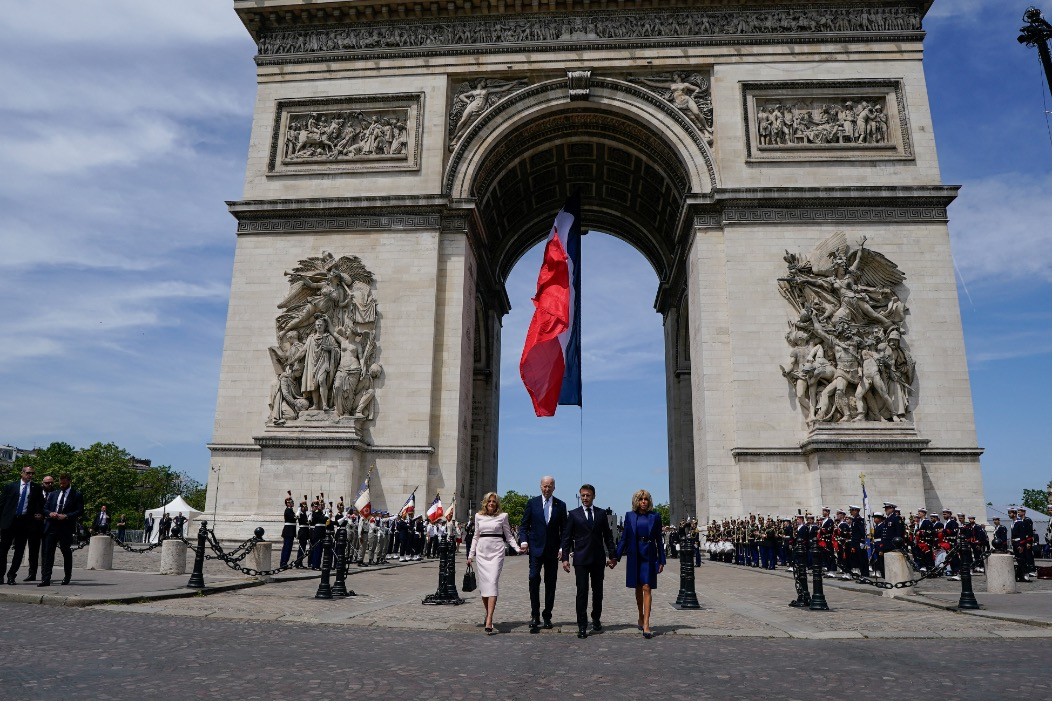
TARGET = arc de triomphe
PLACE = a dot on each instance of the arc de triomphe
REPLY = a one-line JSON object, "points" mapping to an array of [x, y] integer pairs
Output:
{"points": [[774, 163]]}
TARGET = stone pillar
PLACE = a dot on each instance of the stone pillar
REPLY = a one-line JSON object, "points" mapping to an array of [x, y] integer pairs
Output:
{"points": [[262, 557], [174, 558], [999, 573], [897, 570], [100, 553]]}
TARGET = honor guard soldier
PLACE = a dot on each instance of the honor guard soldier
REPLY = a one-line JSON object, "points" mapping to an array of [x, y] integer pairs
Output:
{"points": [[858, 541], [893, 533], [843, 544], [877, 564], [923, 547], [826, 541], [951, 534], [1020, 544], [810, 536], [290, 528], [1000, 542], [318, 519], [978, 543], [1031, 531], [304, 534], [786, 536]]}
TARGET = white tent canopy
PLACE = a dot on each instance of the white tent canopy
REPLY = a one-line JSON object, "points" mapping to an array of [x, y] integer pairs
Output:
{"points": [[173, 508]]}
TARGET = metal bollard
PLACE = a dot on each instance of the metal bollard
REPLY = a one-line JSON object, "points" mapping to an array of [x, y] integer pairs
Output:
{"points": [[800, 576], [197, 580], [819, 600], [340, 549], [446, 577], [688, 598], [967, 600], [323, 592]]}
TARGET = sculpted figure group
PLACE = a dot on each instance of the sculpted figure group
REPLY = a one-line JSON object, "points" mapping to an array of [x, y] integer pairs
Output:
{"points": [[325, 358], [344, 135], [819, 123], [848, 360]]}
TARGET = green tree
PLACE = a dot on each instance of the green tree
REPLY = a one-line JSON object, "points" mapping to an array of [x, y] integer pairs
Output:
{"points": [[514, 504], [663, 510], [105, 475], [53, 459], [1035, 499]]}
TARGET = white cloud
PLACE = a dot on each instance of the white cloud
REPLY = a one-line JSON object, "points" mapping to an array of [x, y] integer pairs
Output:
{"points": [[1001, 230]]}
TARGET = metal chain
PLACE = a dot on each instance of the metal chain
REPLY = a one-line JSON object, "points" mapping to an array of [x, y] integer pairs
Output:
{"points": [[130, 549], [934, 572], [233, 562]]}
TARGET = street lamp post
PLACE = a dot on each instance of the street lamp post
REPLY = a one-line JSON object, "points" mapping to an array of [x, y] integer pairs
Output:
{"points": [[1037, 31]]}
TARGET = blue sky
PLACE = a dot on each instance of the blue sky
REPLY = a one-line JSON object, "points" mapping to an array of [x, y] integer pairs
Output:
{"points": [[127, 127]]}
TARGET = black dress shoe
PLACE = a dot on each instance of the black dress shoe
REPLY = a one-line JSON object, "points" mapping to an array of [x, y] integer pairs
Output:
{"points": [[43, 583], [10, 581], [30, 579], [596, 626], [548, 625], [65, 581], [534, 623], [582, 634]]}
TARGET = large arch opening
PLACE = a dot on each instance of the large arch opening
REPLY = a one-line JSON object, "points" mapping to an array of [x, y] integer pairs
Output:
{"points": [[634, 184]]}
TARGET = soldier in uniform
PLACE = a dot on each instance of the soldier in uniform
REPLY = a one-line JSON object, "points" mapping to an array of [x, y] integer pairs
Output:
{"points": [[304, 534], [1021, 545], [826, 543], [893, 539], [978, 543], [290, 523], [858, 541], [786, 535], [769, 544], [1031, 530], [318, 519], [843, 545], [923, 547], [1000, 542], [420, 536], [877, 565], [951, 533]]}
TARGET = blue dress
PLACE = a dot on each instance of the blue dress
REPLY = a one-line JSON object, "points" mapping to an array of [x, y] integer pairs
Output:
{"points": [[642, 542]]}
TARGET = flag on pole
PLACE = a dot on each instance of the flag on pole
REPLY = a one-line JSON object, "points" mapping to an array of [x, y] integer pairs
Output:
{"points": [[450, 513], [436, 510], [362, 502], [550, 364], [868, 519], [409, 506]]}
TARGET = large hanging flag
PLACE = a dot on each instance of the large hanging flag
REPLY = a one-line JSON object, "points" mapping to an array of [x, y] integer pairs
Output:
{"points": [[409, 506], [436, 510], [550, 364], [362, 502]]}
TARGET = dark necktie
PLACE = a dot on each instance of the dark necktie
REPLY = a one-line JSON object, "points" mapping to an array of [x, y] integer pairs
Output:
{"points": [[22, 500], [587, 512]]}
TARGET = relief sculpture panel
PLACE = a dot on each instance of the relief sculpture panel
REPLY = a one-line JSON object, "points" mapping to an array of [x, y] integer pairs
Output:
{"points": [[347, 134], [848, 358], [326, 352]]}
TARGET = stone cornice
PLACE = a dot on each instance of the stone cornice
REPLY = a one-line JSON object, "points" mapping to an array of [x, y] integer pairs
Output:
{"points": [[297, 32], [324, 439], [954, 451], [866, 435]]}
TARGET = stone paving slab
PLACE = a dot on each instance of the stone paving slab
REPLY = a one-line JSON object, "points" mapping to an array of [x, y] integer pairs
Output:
{"points": [[737, 602]]}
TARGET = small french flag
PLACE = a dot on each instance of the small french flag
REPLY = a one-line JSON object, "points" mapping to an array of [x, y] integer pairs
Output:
{"points": [[436, 510], [550, 364]]}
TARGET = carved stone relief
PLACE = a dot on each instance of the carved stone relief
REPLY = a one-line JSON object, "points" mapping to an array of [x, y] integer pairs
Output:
{"points": [[342, 134], [689, 92], [472, 98], [549, 32], [825, 121], [848, 360], [326, 352]]}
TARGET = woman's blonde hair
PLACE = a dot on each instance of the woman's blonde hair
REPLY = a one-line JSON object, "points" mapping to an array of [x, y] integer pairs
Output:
{"points": [[642, 494], [485, 503]]}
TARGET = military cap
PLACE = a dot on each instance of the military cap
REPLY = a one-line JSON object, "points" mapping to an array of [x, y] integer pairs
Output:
{"points": [[853, 506], [923, 510], [826, 508], [888, 505], [878, 515]]}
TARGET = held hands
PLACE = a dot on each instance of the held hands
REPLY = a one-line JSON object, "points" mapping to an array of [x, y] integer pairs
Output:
{"points": [[565, 566], [661, 568], [612, 563]]}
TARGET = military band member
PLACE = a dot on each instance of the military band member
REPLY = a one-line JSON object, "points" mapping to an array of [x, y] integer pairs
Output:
{"points": [[978, 543], [1021, 546], [923, 541], [290, 524], [950, 533], [318, 519]]}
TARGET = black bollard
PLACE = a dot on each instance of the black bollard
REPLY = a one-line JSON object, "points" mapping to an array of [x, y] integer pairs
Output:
{"points": [[819, 600], [800, 575], [688, 597], [967, 600], [197, 580], [323, 592], [339, 589], [446, 577]]}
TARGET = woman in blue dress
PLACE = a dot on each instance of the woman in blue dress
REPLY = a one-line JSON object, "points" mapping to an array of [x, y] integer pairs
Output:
{"points": [[642, 542]]}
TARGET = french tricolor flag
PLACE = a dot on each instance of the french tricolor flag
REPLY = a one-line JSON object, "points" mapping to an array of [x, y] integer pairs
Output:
{"points": [[550, 364]]}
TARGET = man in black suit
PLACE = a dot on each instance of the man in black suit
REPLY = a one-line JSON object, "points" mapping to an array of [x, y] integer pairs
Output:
{"points": [[61, 512], [20, 508], [540, 534], [148, 528], [101, 524], [587, 535]]}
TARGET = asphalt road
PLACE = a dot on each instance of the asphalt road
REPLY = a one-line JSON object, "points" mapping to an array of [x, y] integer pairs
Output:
{"points": [[54, 653]]}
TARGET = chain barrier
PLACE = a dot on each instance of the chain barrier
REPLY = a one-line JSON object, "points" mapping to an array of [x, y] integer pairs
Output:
{"points": [[246, 547], [934, 572], [128, 547]]}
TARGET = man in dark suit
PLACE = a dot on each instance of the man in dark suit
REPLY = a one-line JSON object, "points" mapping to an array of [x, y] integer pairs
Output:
{"points": [[61, 511], [540, 534], [148, 528], [587, 535], [101, 524], [21, 508]]}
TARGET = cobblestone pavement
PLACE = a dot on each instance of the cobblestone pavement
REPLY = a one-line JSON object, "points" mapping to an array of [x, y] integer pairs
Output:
{"points": [[120, 656], [736, 602]]}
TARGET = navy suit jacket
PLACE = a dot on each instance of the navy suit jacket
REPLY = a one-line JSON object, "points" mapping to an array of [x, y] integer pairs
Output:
{"points": [[9, 502], [73, 507], [534, 530], [590, 543]]}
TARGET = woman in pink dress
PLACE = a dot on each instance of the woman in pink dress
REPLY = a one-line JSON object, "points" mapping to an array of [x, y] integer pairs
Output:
{"points": [[491, 530]]}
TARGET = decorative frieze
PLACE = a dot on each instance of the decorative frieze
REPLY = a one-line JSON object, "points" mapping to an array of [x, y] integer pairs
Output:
{"points": [[347, 134], [828, 120], [561, 31], [367, 222]]}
